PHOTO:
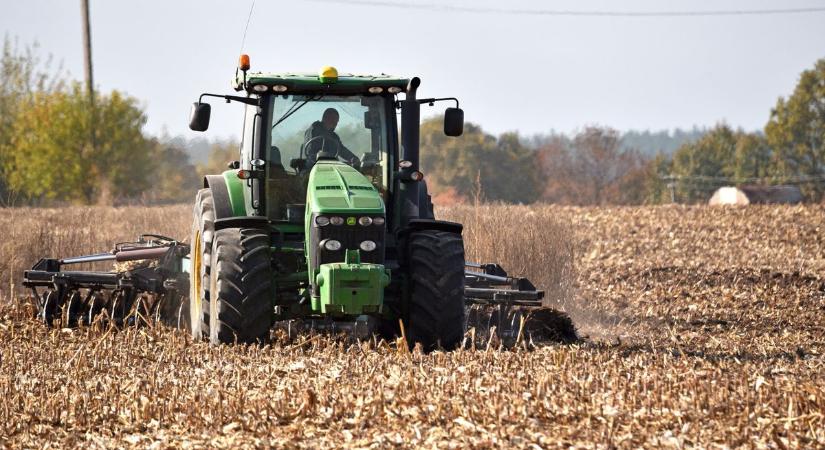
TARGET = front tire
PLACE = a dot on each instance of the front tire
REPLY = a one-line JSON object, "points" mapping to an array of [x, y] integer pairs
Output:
{"points": [[241, 282], [435, 264]]}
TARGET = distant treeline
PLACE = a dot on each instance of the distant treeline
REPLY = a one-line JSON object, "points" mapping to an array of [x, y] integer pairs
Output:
{"points": [[600, 165], [49, 154]]}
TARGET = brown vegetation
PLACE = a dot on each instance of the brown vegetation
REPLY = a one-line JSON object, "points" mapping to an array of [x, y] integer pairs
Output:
{"points": [[705, 328]]}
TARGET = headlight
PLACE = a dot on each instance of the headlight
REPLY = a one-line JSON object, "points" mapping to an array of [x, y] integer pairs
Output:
{"points": [[260, 88], [368, 246], [322, 221], [378, 221], [365, 221], [336, 220], [279, 88], [376, 90], [331, 245]]}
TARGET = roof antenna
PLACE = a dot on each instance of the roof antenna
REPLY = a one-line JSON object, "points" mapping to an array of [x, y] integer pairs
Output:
{"points": [[243, 42], [248, 19]]}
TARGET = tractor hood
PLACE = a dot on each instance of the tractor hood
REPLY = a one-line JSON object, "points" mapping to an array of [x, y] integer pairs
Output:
{"points": [[335, 187]]}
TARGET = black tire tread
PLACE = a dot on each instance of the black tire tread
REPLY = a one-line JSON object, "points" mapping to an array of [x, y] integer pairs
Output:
{"points": [[242, 304], [436, 314]]}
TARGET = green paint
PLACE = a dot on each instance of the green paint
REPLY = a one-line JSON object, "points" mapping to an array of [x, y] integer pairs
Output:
{"points": [[350, 288], [288, 227], [235, 186], [336, 188]]}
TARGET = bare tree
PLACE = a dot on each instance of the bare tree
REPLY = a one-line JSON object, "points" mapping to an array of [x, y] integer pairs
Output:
{"points": [[590, 169]]}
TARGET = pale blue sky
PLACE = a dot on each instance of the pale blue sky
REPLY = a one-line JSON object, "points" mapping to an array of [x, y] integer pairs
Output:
{"points": [[511, 72]]}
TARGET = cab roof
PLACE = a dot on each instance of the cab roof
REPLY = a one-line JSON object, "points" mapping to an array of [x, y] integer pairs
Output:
{"points": [[313, 83]]}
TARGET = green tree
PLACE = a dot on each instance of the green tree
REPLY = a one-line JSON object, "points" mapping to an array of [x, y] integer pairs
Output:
{"points": [[721, 157], [22, 74], [501, 168], [656, 190], [53, 160], [700, 165], [752, 157], [796, 131]]}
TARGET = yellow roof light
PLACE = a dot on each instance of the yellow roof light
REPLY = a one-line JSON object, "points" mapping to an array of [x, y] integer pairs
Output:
{"points": [[328, 74]]}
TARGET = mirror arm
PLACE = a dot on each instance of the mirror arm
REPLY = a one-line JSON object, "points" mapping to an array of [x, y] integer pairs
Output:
{"points": [[230, 98], [430, 101]]}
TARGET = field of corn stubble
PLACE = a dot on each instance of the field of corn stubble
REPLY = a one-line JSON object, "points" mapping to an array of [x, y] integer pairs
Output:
{"points": [[703, 328]]}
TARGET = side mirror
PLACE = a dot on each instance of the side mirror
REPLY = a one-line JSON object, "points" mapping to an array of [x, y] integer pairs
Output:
{"points": [[454, 122], [199, 116]]}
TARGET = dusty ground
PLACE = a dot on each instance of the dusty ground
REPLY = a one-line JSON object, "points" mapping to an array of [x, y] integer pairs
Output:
{"points": [[706, 329]]}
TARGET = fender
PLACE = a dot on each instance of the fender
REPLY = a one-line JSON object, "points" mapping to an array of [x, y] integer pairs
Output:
{"points": [[430, 224], [242, 222], [227, 193]]}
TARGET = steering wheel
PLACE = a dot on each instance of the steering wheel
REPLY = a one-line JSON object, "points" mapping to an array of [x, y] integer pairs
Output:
{"points": [[356, 163], [309, 141]]}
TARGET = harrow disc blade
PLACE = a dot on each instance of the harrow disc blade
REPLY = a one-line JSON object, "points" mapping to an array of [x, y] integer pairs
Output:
{"points": [[538, 324], [548, 324], [49, 307]]}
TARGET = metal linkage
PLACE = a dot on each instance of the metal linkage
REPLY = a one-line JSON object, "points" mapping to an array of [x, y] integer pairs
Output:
{"points": [[489, 284], [80, 296]]}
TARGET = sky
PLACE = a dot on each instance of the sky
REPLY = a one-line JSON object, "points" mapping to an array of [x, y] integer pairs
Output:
{"points": [[524, 72]]}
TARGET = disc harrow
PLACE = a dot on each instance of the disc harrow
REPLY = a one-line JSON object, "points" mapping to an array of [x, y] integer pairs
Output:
{"points": [[149, 285], [150, 279], [511, 308]]}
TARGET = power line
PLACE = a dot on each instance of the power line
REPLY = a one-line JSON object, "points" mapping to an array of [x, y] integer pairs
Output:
{"points": [[572, 13], [705, 179]]}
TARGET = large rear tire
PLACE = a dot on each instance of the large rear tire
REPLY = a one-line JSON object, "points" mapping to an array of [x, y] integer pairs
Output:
{"points": [[196, 309], [435, 264], [241, 282]]}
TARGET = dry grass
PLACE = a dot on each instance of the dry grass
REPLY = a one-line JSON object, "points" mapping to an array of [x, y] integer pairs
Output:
{"points": [[707, 329]]}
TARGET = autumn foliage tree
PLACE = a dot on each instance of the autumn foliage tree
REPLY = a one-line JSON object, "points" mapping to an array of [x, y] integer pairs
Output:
{"points": [[591, 169]]}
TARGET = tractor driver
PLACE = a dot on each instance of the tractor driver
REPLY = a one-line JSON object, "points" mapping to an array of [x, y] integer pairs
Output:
{"points": [[321, 140]]}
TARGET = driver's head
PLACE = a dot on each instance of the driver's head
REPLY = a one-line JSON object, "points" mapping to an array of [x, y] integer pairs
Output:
{"points": [[330, 119]]}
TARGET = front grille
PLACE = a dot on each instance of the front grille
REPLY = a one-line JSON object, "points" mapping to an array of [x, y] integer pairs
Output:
{"points": [[350, 237]]}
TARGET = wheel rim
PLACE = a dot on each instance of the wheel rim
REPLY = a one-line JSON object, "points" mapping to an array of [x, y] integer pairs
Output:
{"points": [[196, 279]]}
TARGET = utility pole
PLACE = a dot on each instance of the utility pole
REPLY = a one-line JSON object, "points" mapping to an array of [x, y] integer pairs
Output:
{"points": [[87, 51], [87, 68]]}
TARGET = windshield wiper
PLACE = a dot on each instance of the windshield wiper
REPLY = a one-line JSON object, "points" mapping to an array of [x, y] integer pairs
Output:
{"points": [[294, 108]]}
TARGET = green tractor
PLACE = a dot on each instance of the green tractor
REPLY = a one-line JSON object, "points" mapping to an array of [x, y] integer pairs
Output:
{"points": [[301, 228], [323, 222]]}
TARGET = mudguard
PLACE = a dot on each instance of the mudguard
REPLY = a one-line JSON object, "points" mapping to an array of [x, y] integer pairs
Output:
{"points": [[431, 224], [227, 193]]}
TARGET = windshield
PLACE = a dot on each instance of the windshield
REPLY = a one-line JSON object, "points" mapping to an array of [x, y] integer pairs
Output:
{"points": [[306, 128]]}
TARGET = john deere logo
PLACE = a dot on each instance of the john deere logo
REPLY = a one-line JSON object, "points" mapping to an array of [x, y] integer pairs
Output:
{"points": [[350, 220]]}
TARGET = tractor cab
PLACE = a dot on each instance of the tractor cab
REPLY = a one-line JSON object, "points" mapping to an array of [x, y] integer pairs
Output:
{"points": [[293, 121], [304, 130]]}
